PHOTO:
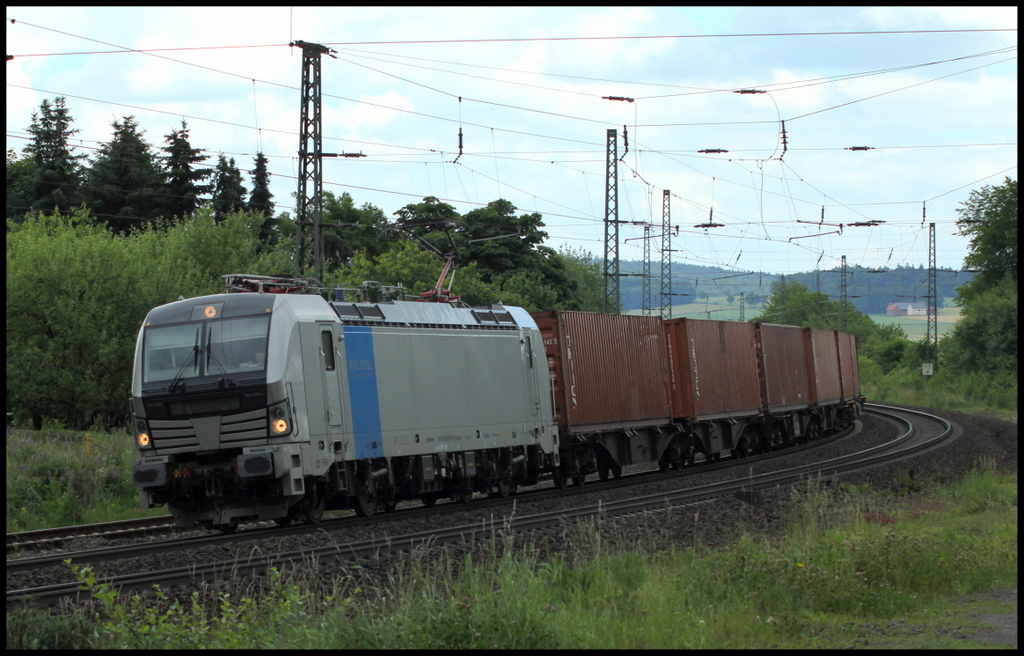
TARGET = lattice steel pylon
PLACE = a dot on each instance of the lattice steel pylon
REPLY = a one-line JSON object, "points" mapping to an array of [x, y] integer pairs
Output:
{"points": [[931, 340], [611, 225], [646, 300], [842, 297], [309, 208], [666, 258]]}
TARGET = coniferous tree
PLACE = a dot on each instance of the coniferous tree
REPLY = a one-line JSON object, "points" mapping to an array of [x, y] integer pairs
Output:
{"points": [[228, 190], [55, 179], [260, 198], [184, 179], [125, 184]]}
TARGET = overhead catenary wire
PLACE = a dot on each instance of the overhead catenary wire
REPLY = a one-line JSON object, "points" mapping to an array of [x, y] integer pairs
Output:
{"points": [[495, 156]]}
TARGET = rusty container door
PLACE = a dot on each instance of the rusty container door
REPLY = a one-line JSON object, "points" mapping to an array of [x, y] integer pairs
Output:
{"points": [[822, 356], [547, 323], [610, 370], [849, 368], [713, 368], [784, 366]]}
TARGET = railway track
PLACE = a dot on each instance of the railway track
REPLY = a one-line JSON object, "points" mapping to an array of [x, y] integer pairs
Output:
{"points": [[17, 543], [930, 432], [50, 537]]}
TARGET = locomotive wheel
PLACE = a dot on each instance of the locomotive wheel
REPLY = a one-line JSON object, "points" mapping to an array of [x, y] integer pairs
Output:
{"points": [[580, 479], [463, 495], [560, 479], [504, 488], [366, 503], [283, 521], [229, 527], [315, 513], [389, 504], [429, 501]]}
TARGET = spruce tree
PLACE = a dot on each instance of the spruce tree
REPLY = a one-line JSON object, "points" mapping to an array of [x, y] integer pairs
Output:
{"points": [[260, 198], [228, 190], [55, 179], [125, 184], [184, 179]]}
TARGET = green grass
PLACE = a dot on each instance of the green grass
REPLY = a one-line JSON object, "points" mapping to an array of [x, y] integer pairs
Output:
{"points": [[849, 565], [52, 481], [983, 393]]}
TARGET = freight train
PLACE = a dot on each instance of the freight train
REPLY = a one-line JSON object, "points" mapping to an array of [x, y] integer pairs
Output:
{"points": [[277, 405]]}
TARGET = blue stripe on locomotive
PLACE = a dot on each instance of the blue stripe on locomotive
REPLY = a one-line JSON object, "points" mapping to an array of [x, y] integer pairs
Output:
{"points": [[362, 392]]}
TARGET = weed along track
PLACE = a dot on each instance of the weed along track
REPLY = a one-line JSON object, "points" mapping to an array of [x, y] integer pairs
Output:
{"points": [[887, 434]]}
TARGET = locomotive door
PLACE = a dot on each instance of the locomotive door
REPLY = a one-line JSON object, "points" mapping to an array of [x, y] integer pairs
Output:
{"points": [[528, 338], [329, 358]]}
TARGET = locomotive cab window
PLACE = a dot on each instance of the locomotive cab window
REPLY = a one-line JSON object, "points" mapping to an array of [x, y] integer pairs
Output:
{"points": [[327, 348], [207, 348], [170, 351], [239, 345]]}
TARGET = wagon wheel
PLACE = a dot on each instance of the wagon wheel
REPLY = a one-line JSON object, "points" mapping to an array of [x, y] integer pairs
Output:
{"points": [[560, 479], [230, 527], [743, 449], [580, 477], [429, 500], [813, 431]]}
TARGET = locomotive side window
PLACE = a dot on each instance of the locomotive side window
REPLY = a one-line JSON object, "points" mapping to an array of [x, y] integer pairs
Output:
{"points": [[327, 348]]}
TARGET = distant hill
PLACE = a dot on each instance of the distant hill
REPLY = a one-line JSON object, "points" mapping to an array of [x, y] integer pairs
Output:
{"points": [[870, 291]]}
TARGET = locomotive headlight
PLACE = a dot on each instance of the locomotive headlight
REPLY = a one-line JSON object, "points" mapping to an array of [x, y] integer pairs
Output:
{"points": [[280, 419], [142, 438]]}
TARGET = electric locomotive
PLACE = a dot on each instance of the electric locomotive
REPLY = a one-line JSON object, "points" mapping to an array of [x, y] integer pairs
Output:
{"points": [[278, 406]]}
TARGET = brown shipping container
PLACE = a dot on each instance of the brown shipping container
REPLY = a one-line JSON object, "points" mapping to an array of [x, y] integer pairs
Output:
{"points": [[822, 355], [713, 368], [848, 365], [785, 366], [607, 370]]}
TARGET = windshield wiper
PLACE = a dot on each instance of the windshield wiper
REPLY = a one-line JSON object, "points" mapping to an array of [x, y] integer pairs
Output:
{"points": [[193, 358], [209, 355]]}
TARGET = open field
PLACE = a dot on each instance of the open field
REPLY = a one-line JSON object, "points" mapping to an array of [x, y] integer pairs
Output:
{"points": [[916, 327]]}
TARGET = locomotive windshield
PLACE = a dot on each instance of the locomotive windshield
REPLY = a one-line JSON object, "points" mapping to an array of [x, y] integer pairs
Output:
{"points": [[205, 348]]}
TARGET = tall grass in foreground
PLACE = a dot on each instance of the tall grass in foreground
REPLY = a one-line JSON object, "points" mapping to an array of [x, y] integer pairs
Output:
{"points": [[842, 560]]}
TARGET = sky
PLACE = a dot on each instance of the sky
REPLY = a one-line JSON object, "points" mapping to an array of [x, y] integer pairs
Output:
{"points": [[932, 92]]}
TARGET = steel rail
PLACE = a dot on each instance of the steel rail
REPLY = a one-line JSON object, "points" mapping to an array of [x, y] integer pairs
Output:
{"points": [[120, 528]]}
